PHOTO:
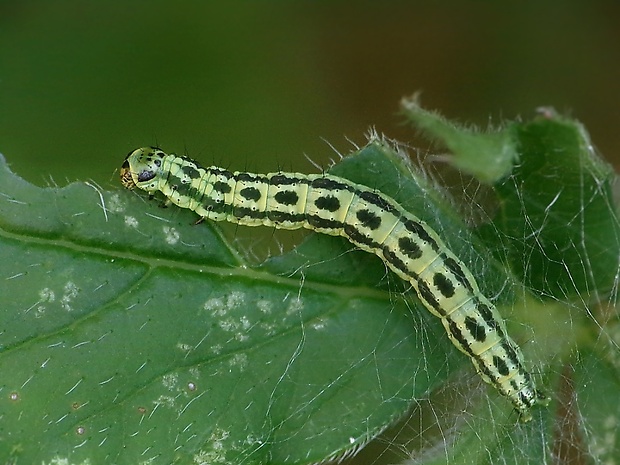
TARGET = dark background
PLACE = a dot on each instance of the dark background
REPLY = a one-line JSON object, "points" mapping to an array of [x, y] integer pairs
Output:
{"points": [[258, 85]]}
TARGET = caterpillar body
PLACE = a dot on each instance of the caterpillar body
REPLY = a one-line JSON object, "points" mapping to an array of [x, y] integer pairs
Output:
{"points": [[369, 219]]}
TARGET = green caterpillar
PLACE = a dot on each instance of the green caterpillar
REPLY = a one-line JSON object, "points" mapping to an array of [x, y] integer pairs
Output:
{"points": [[370, 220]]}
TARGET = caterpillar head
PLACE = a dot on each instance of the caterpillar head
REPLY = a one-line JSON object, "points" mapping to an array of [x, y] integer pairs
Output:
{"points": [[142, 169]]}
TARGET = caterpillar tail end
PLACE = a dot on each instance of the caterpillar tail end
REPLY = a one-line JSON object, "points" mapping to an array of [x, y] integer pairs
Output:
{"points": [[525, 413]]}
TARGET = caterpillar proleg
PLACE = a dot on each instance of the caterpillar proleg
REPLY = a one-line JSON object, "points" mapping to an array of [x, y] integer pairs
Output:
{"points": [[369, 219]]}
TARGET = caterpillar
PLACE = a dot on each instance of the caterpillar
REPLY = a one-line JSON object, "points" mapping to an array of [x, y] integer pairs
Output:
{"points": [[371, 221]]}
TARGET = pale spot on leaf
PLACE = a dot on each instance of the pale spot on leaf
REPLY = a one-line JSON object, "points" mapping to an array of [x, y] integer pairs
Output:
{"points": [[131, 222], [171, 235]]}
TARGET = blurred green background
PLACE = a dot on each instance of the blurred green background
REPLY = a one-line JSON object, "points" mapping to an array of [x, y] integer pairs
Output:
{"points": [[258, 85]]}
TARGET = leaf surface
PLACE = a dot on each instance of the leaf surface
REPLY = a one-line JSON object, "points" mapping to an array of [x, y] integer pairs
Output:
{"points": [[132, 334]]}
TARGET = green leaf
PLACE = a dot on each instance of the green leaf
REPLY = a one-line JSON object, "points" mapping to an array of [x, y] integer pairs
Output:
{"points": [[132, 334], [555, 198], [557, 207], [488, 156]]}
